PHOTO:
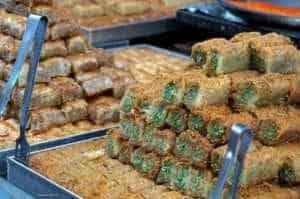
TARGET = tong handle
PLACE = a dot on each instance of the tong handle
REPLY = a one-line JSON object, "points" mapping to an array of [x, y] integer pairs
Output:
{"points": [[34, 34], [239, 143]]}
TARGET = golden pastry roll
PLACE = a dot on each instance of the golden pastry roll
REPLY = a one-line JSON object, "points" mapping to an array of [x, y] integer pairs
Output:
{"points": [[68, 88], [174, 85], [104, 109], [76, 110], [46, 118], [83, 62], [201, 52], [12, 24], [277, 125], [266, 191], [47, 11], [146, 163], [131, 7], [262, 164], [270, 39], [227, 59], [64, 30], [42, 96], [113, 143], [191, 147], [289, 173], [92, 10], [56, 66], [77, 44], [42, 76], [202, 92], [97, 85], [241, 76], [9, 48], [262, 91], [53, 49], [219, 125], [277, 59], [199, 117], [245, 36]]}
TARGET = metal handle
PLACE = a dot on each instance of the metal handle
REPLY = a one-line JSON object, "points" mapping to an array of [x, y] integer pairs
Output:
{"points": [[33, 37], [239, 143]]}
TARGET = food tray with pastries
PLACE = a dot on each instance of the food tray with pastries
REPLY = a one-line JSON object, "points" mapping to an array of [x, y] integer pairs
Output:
{"points": [[84, 170], [146, 61], [129, 19], [53, 137]]}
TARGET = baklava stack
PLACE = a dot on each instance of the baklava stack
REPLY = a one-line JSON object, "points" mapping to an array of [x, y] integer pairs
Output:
{"points": [[74, 81], [174, 130]]}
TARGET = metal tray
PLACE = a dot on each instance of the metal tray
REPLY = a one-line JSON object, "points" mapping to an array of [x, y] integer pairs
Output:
{"points": [[5, 153], [267, 18], [112, 35], [154, 48], [36, 184]]}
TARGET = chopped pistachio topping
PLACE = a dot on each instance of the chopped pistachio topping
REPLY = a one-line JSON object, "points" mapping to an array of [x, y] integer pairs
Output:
{"points": [[137, 160], [112, 147], [198, 154], [148, 136], [147, 166], [156, 115], [215, 131], [182, 147]]}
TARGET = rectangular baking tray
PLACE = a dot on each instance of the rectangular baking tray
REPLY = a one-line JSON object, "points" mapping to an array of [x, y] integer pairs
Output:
{"points": [[108, 35], [37, 185], [5, 153], [154, 48]]}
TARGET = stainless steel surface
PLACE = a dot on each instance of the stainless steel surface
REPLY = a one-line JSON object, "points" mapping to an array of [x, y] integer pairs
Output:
{"points": [[36, 184], [102, 36]]}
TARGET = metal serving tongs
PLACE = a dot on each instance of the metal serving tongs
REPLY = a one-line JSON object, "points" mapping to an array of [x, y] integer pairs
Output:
{"points": [[239, 143], [32, 42]]}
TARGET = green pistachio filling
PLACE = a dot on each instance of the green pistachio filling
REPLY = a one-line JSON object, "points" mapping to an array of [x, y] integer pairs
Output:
{"points": [[148, 137], [213, 63], [112, 147], [196, 183], [136, 133], [191, 95], [169, 93], [161, 145], [198, 155], [147, 166], [126, 126], [182, 147], [246, 94], [137, 160], [156, 115], [196, 123], [268, 131], [199, 57], [287, 175], [215, 131], [176, 120], [165, 172], [127, 103], [182, 178]]}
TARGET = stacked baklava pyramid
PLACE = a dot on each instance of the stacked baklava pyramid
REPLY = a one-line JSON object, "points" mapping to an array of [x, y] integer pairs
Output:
{"points": [[174, 130], [74, 81]]}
